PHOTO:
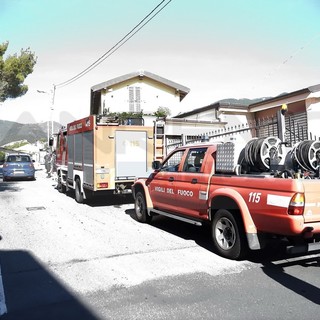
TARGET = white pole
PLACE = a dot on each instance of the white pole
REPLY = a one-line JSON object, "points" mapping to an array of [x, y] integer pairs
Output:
{"points": [[48, 121], [52, 107], [48, 135]]}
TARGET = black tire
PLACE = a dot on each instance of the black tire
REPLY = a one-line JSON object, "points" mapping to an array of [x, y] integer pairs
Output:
{"points": [[140, 208], [228, 235], [61, 188], [77, 191]]}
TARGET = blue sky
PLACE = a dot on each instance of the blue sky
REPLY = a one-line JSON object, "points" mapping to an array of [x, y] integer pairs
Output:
{"points": [[219, 49]]}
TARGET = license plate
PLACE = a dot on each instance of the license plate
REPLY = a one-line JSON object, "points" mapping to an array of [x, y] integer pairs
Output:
{"points": [[18, 172]]}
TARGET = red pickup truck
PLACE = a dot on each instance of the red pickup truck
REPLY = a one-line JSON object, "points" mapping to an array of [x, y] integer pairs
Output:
{"points": [[208, 183]]}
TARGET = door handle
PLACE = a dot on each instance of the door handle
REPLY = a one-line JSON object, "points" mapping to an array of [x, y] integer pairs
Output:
{"points": [[171, 179], [193, 181]]}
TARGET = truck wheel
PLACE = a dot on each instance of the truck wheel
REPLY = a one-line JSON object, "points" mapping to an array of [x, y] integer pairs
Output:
{"points": [[228, 235], [78, 193], [61, 188], [140, 208]]}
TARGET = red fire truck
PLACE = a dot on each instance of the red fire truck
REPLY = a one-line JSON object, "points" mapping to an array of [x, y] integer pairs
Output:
{"points": [[96, 156], [247, 195]]}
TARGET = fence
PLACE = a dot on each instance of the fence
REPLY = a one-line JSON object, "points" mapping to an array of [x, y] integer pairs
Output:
{"points": [[296, 130]]}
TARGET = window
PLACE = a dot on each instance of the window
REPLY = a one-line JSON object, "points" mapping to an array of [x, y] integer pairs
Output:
{"points": [[18, 158], [11, 159], [134, 99], [172, 164], [25, 159], [194, 160], [131, 99]]}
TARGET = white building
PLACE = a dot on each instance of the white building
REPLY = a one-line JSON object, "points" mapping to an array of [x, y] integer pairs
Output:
{"points": [[144, 92], [239, 122], [136, 92]]}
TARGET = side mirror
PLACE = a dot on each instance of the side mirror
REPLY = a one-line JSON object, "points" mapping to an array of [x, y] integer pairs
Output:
{"points": [[156, 165]]}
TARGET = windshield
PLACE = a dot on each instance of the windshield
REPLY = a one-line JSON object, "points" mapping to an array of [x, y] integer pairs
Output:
{"points": [[18, 158]]}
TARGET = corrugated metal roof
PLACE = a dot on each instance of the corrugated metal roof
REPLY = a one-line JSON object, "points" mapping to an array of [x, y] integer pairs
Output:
{"points": [[183, 91]]}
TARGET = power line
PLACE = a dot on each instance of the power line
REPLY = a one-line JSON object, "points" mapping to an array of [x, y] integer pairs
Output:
{"points": [[118, 45], [286, 61]]}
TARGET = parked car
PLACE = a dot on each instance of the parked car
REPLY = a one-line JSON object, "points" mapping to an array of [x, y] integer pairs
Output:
{"points": [[18, 166]]}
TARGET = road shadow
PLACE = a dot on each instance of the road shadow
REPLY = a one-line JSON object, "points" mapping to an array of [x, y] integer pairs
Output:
{"points": [[33, 293], [278, 273], [276, 263], [110, 200], [273, 259], [100, 199], [104, 200], [200, 235], [275, 248], [11, 186]]}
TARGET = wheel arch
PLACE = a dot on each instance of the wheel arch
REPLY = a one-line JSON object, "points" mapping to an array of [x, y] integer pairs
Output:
{"points": [[141, 186], [77, 176], [230, 199], [82, 195]]}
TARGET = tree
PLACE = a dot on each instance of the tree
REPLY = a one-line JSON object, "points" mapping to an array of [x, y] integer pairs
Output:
{"points": [[2, 157], [162, 112], [13, 72]]}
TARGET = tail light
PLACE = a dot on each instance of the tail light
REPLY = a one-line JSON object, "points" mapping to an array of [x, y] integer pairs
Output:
{"points": [[102, 185], [296, 205]]}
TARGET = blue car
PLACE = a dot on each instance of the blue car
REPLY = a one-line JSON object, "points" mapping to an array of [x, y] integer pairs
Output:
{"points": [[18, 166]]}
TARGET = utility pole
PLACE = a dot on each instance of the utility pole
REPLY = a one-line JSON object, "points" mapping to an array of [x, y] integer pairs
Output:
{"points": [[52, 107], [52, 93]]}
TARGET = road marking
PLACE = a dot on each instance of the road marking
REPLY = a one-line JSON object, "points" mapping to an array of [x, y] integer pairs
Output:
{"points": [[35, 208]]}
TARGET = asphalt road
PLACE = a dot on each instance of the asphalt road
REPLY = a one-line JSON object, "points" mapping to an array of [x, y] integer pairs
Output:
{"points": [[63, 260]]}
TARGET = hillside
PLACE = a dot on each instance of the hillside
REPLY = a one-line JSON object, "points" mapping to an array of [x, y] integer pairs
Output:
{"points": [[243, 101], [14, 131]]}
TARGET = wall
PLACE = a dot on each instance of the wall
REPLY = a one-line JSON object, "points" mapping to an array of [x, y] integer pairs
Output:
{"points": [[235, 122], [152, 96], [313, 116]]}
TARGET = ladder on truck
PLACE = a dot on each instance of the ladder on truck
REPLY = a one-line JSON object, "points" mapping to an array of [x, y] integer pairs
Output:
{"points": [[159, 140]]}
